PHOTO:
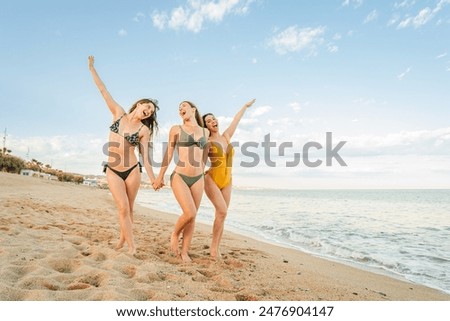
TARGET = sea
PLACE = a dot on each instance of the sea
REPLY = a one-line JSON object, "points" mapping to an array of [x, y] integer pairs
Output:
{"points": [[401, 233]]}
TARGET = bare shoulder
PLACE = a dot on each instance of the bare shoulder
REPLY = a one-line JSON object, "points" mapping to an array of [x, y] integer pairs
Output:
{"points": [[226, 137], [145, 130], [175, 129], [118, 112]]}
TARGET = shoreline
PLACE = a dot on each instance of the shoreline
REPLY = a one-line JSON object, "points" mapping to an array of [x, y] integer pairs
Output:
{"points": [[236, 233], [57, 239], [206, 217]]}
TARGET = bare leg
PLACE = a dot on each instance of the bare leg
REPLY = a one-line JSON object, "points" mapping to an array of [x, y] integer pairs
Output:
{"points": [[133, 183], [188, 232], [226, 193], [184, 198], [220, 199], [187, 238], [118, 190], [121, 241]]}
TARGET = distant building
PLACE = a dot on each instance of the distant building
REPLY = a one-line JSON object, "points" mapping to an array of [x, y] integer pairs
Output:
{"points": [[32, 173], [27, 172], [90, 181]]}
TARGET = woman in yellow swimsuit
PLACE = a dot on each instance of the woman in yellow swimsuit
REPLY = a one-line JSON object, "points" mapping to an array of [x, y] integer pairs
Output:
{"points": [[128, 131], [218, 177], [186, 180]]}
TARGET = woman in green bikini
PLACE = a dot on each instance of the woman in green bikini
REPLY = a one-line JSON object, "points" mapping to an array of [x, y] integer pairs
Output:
{"points": [[187, 180]]}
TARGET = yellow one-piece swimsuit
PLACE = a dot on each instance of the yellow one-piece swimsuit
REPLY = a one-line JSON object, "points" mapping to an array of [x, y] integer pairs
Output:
{"points": [[221, 164]]}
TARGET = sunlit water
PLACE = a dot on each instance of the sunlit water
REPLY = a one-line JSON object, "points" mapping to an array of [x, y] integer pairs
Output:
{"points": [[402, 232]]}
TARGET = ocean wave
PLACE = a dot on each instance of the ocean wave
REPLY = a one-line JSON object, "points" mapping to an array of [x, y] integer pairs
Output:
{"points": [[374, 229]]}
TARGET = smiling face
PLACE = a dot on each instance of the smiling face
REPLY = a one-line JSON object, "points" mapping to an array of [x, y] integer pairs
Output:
{"points": [[145, 110], [186, 111], [211, 123]]}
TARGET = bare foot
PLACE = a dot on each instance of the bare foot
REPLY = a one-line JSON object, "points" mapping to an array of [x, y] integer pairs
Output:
{"points": [[132, 251], [120, 244], [174, 244], [215, 255], [186, 258]]}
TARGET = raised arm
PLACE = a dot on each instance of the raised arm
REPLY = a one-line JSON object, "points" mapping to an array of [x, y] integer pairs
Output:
{"points": [[173, 136], [113, 106], [145, 149], [229, 132]]}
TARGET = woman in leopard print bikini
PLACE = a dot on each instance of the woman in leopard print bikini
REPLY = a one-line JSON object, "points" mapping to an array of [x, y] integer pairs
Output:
{"points": [[123, 171]]}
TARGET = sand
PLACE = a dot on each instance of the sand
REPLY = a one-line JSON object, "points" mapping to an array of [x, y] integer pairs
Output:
{"points": [[57, 243]]}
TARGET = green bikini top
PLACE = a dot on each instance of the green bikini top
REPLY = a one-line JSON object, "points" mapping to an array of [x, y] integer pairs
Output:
{"points": [[187, 140]]}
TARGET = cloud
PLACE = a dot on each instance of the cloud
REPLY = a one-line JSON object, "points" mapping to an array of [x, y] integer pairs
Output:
{"points": [[78, 153], [295, 107], [295, 39], [421, 156], [404, 4], [337, 36], [407, 159], [122, 33], [159, 20], [355, 3], [196, 13], [403, 74], [139, 16], [393, 20], [372, 16], [441, 55], [332, 48], [399, 159], [364, 101], [420, 142], [258, 111], [424, 16]]}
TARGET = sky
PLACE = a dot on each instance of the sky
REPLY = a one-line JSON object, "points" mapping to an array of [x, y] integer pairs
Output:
{"points": [[375, 75]]}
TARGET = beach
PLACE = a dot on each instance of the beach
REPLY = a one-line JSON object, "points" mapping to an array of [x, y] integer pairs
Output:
{"points": [[57, 243]]}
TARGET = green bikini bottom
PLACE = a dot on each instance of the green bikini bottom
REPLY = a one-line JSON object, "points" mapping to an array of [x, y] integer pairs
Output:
{"points": [[188, 180]]}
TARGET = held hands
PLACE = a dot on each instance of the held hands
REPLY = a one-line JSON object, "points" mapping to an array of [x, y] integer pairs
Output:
{"points": [[251, 102], [157, 184]]}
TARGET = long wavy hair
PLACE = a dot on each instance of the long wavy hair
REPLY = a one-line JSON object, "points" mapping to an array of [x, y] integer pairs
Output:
{"points": [[198, 117], [151, 122], [204, 120]]}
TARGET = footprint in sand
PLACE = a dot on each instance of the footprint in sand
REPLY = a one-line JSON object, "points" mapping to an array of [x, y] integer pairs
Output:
{"points": [[64, 265], [78, 286], [95, 279], [129, 270], [38, 283], [245, 297], [153, 277], [142, 295], [233, 264]]}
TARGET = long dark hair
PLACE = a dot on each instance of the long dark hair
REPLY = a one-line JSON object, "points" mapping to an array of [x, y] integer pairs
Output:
{"points": [[151, 121], [198, 117], [204, 119]]}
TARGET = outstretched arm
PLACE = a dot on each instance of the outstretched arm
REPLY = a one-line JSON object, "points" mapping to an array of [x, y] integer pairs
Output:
{"points": [[229, 132], [145, 149], [113, 106], [173, 134]]}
